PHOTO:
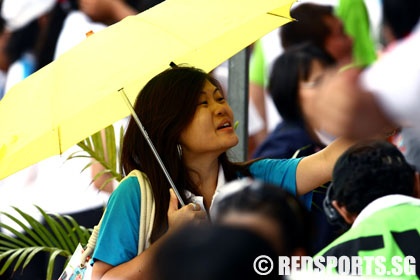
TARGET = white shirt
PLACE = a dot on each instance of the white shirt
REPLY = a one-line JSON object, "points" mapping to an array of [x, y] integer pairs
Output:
{"points": [[384, 202], [74, 30], [199, 199], [395, 81]]}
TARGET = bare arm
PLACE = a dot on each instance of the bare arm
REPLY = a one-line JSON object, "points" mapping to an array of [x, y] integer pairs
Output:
{"points": [[138, 268], [257, 96], [141, 267], [316, 169]]}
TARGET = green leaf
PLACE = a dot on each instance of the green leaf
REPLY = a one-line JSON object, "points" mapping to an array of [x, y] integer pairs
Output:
{"points": [[32, 254], [82, 233], [120, 172], [111, 148], [79, 156], [88, 142], [31, 240], [13, 254], [38, 230], [20, 249], [9, 242], [98, 146], [87, 166], [57, 229], [105, 183], [71, 235], [101, 173], [50, 267], [21, 258]]}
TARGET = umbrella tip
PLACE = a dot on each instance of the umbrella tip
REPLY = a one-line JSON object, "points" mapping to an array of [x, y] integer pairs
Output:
{"points": [[89, 33], [173, 65]]}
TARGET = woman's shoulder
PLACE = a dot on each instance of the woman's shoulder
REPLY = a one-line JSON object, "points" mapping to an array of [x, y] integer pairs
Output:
{"points": [[128, 187]]}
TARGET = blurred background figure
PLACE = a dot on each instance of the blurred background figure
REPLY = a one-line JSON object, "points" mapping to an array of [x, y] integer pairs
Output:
{"points": [[94, 15], [295, 75], [364, 102], [315, 23], [4, 59], [294, 78], [209, 252], [400, 20], [262, 55], [358, 25], [271, 212], [26, 21], [318, 24]]}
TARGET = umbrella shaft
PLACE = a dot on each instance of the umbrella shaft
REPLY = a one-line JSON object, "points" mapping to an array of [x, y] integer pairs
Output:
{"points": [[156, 154]]}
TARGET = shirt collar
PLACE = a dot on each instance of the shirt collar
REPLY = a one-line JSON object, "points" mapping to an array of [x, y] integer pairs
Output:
{"points": [[384, 202], [221, 183]]}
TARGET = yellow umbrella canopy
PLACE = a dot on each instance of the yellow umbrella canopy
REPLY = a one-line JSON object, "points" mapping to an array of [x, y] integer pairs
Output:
{"points": [[78, 94]]}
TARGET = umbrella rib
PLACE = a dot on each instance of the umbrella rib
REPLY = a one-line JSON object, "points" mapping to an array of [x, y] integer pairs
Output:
{"points": [[59, 140], [280, 16]]}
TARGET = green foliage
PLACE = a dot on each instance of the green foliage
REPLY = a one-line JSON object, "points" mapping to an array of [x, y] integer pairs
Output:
{"points": [[61, 233], [59, 236], [102, 148]]}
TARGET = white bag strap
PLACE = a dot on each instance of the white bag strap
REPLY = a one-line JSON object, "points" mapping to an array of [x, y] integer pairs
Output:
{"points": [[87, 253], [147, 211], [147, 217]]}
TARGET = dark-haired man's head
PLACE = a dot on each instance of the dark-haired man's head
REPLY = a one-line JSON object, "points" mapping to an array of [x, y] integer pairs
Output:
{"points": [[317, 24], [210, 252], [271, 212], [368, 171], [399, 18]]}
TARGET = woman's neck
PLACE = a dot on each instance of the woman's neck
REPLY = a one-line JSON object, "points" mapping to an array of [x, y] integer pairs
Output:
{"points": [[205, 176]]}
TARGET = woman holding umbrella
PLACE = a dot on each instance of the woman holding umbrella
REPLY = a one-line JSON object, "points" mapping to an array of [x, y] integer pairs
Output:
{"points": [[187, 117]]}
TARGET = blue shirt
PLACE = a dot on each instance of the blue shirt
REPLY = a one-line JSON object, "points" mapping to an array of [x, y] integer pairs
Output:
{"points": [[285, 140], [119, 233]]}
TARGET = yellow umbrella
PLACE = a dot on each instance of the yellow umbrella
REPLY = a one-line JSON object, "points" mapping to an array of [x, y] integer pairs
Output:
{"points": [[77, 94]]}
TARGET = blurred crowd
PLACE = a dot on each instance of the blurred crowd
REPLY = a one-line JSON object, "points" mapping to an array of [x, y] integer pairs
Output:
{"points": [[343, 68]]}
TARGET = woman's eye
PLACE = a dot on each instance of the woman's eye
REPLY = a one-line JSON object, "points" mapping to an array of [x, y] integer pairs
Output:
{"points": [[202, 103], [219, 97]]}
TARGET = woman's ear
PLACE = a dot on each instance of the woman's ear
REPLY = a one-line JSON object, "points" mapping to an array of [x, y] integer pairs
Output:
{"points": [[416, 190], [342, 210]]}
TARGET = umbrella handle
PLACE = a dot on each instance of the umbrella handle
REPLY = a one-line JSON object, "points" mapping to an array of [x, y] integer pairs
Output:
{"points": [[146, 136]]}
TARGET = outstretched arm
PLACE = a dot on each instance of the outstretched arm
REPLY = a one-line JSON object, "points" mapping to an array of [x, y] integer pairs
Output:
{"points": [[316, 169]]}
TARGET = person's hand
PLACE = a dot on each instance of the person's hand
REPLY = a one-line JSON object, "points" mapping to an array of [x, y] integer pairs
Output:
{"points": [[343, 108], [190, 213]]}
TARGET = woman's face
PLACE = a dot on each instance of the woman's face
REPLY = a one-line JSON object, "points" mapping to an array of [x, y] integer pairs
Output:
{"points": [[308, 89], [211, 130], [338, 44]]}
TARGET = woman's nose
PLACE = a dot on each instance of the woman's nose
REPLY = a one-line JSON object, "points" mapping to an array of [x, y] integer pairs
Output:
{"points": [[219, 109]]}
